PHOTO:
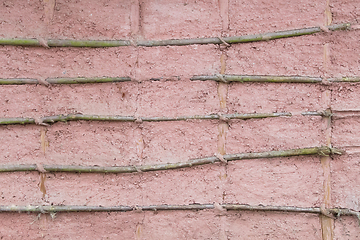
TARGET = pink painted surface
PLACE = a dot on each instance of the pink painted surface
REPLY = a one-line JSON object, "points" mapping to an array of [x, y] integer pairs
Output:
{"points": [[25, 62], [172, 62], [252, 17], [71, 19], [178, 141], [20, 144], [161, 19], [177, 98], [345, 11], [346, 228], [70, 226], [346, 132], [257, 225], [92, 143], [345, 181], [290, 56], [273, 97], [39, 101], [344, 55], [345, 97], [295, 181], [256, 135], [161, 87]]}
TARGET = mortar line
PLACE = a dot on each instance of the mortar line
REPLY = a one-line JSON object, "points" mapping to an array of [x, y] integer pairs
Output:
{"points": [[223, 127], [327, 224]]}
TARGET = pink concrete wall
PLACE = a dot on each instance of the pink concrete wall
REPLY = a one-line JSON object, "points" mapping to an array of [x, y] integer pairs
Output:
{"points": [[295, 181]]}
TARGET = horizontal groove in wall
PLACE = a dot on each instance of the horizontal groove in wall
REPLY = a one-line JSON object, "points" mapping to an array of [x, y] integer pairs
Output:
{"points": [[172, 42], [321, 151]]}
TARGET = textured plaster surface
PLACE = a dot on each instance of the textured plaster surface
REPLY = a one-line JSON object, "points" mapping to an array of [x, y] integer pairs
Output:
{"points": [[161, 86]]}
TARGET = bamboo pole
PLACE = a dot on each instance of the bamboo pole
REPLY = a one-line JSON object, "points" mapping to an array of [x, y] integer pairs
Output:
{"points": [[254, 78], [218, 78], [17, 81], [173, 42], [322, 151], [87, 80], [345, 79], [75, 80], [336, 212], [77, 117]]}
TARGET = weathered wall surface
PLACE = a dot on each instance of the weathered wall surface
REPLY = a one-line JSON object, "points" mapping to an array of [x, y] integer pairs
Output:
{"points": [[161, 86]]}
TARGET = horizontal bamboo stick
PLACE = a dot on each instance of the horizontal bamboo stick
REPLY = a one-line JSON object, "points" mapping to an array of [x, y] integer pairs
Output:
{"points": [[218, 77], [322, 151], [87, 80], [18, 81], [75, 80], [336, 212], [253, 78], [345, 79], [172, 42], [76, 117]]}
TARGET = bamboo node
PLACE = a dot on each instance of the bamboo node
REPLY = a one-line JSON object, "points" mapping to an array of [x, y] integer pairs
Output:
{"points": [[220, 157], [138, 120], [137, 169], [327, 213], [223, 41], [221, 78], [223, 118], [137, 209], [40, 121]]}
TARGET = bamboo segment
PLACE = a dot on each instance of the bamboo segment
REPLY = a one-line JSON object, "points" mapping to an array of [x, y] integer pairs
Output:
{"points": [[18, 81], [76, 117], [345, 79], [336, 212], [75, 80], [173, 42], [87, 80], [322, 151], [253, 78]]}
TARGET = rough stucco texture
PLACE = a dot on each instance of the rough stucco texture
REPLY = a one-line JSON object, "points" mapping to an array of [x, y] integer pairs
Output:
{"points": [[161, 86]]}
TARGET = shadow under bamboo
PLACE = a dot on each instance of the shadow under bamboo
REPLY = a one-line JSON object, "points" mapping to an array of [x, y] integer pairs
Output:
{"points": [[322, 151], [77, 117], [258, 78], [173, 42]]}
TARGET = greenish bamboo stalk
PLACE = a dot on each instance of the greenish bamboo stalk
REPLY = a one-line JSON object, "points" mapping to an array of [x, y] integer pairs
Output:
{"points": [[76, 117], [337, 212], [254, 78], [18, 168], [172, 42], [345, 79], [87, 80], [76, 80], [322, 151], [17, 81], [18, 120]]}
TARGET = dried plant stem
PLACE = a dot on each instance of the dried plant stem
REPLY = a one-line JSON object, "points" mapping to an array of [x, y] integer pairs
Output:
{"points": [[337, 212], [345, 79], [76, 80], [173, 42], [76, 117], [18, 81], [218, 77], [322, 151], [252, 78]]}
